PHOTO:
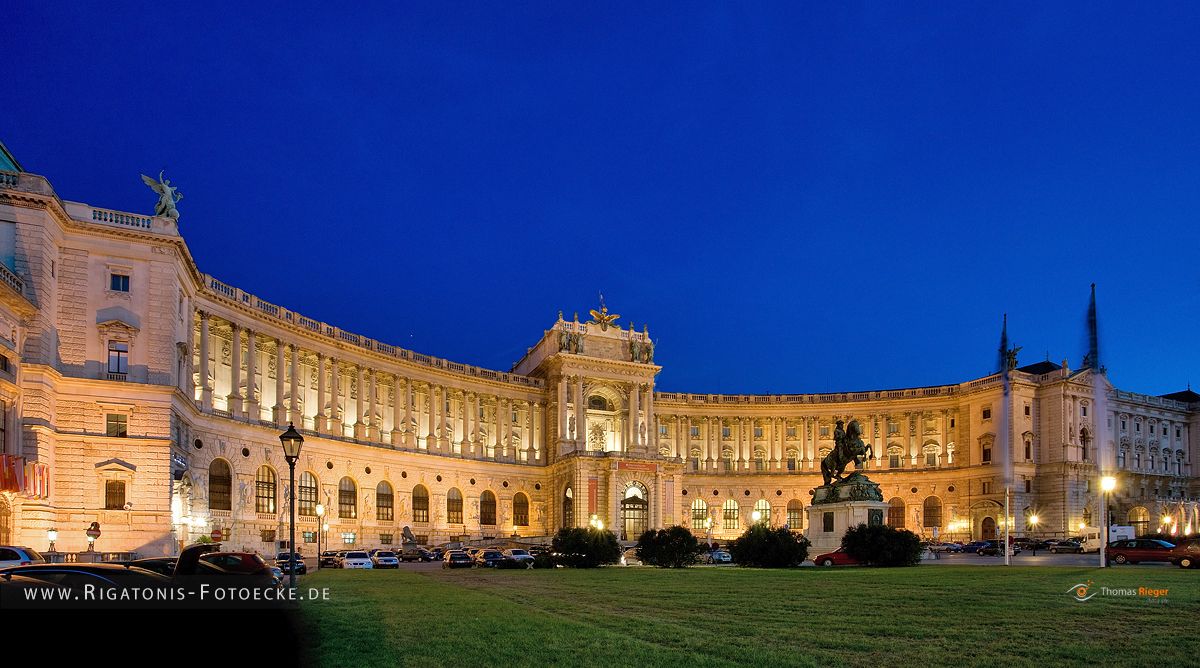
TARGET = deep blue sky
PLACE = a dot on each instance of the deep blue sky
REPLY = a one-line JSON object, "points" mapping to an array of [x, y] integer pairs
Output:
{"points": [[799, 199]]}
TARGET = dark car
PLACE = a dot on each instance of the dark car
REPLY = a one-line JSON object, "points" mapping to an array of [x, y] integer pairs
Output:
{"points": [[994, 548], [1135, 550], [457, 559], [166, 566], [1189, 553], [238, 562], [436, 554], [283, 563], [329, 559], [489, 558], [1064, 546], [973, 546], [82, 582]]}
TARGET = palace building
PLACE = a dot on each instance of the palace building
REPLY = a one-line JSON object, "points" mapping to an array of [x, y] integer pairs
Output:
{"points": [[142, 394]]}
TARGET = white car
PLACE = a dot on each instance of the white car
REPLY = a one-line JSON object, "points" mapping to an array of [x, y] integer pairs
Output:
{"points": [[12, 555], [357, 560], [521, 556], [718, 557], [385, 559]]}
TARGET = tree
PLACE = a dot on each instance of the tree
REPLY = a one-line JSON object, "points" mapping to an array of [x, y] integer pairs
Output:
{"points": [[764, 547], [675, 547], [882, 545], [586, 548]]}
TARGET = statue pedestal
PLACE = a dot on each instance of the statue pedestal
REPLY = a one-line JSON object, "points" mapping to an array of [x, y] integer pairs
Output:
{"points": [[828, 522]]}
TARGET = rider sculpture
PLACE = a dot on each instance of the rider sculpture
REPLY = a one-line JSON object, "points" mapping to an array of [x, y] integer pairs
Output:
{"points": [[848, 447]]}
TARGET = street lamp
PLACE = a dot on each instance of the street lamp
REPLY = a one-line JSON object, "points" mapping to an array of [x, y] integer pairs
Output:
{"points": [[320, 518], [1107, 484], [292, 441], [1033, 522], [52, 535], [756, 517], [708, 528]]}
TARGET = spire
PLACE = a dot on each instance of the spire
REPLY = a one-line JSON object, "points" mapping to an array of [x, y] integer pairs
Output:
{"points": [[1092, 361]]}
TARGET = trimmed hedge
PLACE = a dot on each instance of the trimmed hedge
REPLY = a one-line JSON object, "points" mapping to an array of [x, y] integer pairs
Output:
{"points": [[764, 547], [882, 545], [675, 547]]}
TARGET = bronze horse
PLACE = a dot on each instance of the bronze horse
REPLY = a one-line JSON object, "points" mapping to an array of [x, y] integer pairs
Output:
{"points": [[848, 447]]}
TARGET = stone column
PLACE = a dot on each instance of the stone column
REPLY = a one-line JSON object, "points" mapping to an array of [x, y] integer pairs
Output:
{"points": [[580, 415], [336, 427], [409, 438], [651, 422], [373, 431], [206, 392], [360, 400], [498, 437], [562, 410], [397, 415], [253, 411], [280, 410], [235, 371], [530, 451], [431, 437], [635, 439], [319, 424], [294, 415]]}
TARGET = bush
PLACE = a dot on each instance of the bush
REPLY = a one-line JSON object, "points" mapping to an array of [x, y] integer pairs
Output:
{"points": [[586, 548], [882, 545], [764, 547], [675, 547], [544, 560]]}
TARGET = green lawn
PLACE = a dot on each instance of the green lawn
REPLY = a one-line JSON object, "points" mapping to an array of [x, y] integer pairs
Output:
{"points": [[909, 617]]}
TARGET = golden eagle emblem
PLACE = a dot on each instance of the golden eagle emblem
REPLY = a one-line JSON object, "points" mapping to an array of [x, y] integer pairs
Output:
{"points": [[603, 317]]}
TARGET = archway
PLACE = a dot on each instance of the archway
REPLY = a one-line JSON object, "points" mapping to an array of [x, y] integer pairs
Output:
{"points": [[568, 508], [634, 513], [987, 528], [1139, 519]]}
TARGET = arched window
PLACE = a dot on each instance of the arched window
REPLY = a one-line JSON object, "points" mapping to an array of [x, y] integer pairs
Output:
{"points": [[760, 459], [795, 515], [764, 510], [385, 502], [308, 495], [487, 509], [454, 506], [699, 514], [264, 490], [730, 515], [220, 485], [521, 510], [1085, 441], [568, 508], [1139, 519], [347, 499], [896, 513], [634, 512], [598, 403], [932, 512], [420, 503]]}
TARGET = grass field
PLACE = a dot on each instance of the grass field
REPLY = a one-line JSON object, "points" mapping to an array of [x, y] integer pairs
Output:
{"points": [[910, 617]]}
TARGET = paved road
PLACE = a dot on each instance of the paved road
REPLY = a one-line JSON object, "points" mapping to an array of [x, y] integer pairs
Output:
{"points": [[1042, 558]]}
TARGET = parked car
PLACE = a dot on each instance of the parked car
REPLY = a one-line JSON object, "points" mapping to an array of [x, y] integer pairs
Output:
{"points": [[436, 554], [718, 557], [238, 562], [338, 558], [283, 562], [1189, 552], [278, 573], [946, 547], [1033, 544], [357, 559], [522, 556], [838, 557], [385, 559], [1136, 550], [80, 576], [995, 548], [457, 559], [973, 546], [12, 555], [489, 558], [329, 559], [415, 553], [1064, 546]]}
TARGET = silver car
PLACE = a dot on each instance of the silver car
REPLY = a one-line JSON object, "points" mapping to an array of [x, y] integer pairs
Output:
{"points": [[12, 555], [521, 556]]}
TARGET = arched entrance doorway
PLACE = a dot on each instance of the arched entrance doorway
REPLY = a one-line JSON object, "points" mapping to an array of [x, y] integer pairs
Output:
{"points": [[568, 509], [987, 528], [634, 511]]}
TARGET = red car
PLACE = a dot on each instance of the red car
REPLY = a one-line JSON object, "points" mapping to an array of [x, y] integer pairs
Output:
{"points": [[1133, 550], [836, 558], [238, 562]]}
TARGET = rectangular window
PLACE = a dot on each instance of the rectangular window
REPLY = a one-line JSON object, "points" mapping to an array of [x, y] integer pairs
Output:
{"points": [[348, 538], [760, 464], [699, 516], [114, 495], [791, 432], [309, 536], [987, 413], [931, 459], [118, 357], [662, 430], [987, 454], [724, 432], [951, 423], [1028, 485], [1083, 410], [1121, 459], [1028, 450], [1137, 426], [385, 505], [893, 428], [731, 518], [728, 464], [116, 425], [454, 510], [385, 539], [791, 464], [1123, 423], [695, 432], [695, 463], [1177, 432], [794, 520], [267, 535], [894, 461], [118, 282], [825, 431], [1028, 410], [758, 432], [986, 488]]}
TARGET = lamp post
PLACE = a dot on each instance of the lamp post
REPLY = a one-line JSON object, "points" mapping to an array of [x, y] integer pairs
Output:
{"points": [[1108, 484], [292, 441], [320, 520], [756, 517], [1033, 522], [708, 528], [52, 535]]}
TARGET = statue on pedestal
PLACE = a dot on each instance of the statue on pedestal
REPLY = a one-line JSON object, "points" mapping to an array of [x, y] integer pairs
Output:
{"points": [[849, 447]]}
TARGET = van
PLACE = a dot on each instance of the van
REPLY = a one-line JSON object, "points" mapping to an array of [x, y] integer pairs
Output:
{"points": [[1092, 535]]}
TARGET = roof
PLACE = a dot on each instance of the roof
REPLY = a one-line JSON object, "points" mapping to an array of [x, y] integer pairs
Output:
{"points": [[1186, 396], [1039, 368], [7, 161]]}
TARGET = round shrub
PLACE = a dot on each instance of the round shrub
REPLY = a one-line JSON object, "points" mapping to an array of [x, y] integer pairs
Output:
{"points": [[882, 545], [764, 547], [675, 547], [586, 548]]}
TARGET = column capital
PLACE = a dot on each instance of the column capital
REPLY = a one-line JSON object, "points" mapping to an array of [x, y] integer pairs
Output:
{"points": [[202, 313]]}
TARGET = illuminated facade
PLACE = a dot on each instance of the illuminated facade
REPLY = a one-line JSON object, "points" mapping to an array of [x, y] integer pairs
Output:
{"points": [[143, 394]]}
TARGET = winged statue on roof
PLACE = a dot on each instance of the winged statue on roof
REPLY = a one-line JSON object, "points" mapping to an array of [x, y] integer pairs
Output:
{"points": [[168, 196], [603, 317]]}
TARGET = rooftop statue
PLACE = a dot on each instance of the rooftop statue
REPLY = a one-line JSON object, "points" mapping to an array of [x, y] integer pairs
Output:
{"points": [[602, 317], [168, 196]]}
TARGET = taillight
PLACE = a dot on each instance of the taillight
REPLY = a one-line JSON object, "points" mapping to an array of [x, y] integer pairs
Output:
{"points": [[26, 563]]}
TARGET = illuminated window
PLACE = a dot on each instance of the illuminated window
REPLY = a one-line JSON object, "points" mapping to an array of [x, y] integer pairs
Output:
{"points": [[264, 490], [896, 513], [795, 515], [116, 425], [348, 538], [764, 510], [699, 514], [730, 515], [385, 507], [347, 499], [307, 499], [420, 503], [454, 506], [220, 484]]}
